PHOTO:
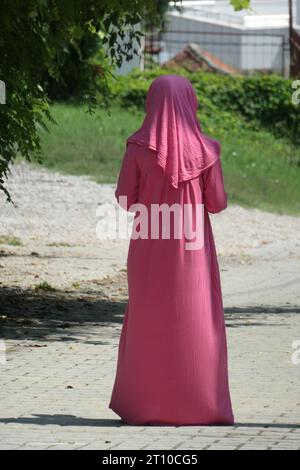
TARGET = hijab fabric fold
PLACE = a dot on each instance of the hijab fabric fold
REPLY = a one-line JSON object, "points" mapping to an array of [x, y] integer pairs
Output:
{"points": [[172, 129]]}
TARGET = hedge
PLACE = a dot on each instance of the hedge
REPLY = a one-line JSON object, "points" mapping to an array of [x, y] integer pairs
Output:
{"points": [[231, 101]]}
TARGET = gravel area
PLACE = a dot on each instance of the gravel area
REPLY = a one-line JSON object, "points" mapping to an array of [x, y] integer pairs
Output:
{"points": [[50, 234]]}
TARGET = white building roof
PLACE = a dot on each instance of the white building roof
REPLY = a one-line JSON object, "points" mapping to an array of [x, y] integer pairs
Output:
{"points": [[263, 14]]}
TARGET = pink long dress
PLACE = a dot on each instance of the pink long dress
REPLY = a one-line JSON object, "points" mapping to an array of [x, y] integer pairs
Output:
{"points": [[172, 357]]}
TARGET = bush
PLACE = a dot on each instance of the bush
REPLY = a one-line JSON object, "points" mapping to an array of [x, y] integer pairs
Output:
{"points": [[255, 101]]}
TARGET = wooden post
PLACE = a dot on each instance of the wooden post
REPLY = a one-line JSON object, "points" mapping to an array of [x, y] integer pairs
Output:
{"points": [[291, 37]]}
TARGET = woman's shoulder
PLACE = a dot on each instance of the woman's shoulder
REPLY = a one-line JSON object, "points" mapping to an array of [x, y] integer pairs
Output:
{"points": [[143, 156], [139, 148]]}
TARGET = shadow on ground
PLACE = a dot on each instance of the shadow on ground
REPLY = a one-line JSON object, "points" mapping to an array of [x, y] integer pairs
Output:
{"points": [[55, 314], [47, 314], [70, 420]]}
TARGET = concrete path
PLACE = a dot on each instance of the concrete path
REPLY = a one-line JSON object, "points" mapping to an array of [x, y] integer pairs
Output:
{"points": [[62, 298]]}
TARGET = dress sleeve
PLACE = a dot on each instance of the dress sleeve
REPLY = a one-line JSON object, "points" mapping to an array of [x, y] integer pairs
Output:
{"points": [[215, 197], [128, 181]]}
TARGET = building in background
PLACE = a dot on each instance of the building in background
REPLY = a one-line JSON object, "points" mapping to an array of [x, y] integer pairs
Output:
{"points": [[256, 40]]}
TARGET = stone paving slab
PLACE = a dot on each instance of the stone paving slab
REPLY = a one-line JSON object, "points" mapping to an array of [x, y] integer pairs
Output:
{"points": [[62, 299], [57, 382]]}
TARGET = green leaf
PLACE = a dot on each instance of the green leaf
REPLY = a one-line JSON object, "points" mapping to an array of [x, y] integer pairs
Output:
{"points": [[240, 4]]}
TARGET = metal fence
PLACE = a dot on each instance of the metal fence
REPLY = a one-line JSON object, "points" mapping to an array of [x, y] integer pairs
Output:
{"points": [[245, 51]]}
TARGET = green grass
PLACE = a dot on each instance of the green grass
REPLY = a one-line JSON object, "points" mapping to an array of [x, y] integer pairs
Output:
{"points": [[45, 286], [10, 240], [259, 170], [61, 244], [87, 145]]}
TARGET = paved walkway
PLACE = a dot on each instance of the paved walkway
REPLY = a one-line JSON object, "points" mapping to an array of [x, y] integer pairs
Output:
{"points": [[61, 348], [58, 377]]}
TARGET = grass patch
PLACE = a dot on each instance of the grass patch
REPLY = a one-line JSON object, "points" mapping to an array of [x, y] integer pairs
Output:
{"points": [[61, 244], [260, 170], [76, 285], [10, 240], [87, 145], [45, 286]]}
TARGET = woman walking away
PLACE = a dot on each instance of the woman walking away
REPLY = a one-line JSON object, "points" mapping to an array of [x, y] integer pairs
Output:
{"points": [[172, 357]]}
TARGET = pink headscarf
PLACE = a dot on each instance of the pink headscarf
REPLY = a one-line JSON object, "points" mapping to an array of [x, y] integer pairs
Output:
{"points": [[172, 129]]}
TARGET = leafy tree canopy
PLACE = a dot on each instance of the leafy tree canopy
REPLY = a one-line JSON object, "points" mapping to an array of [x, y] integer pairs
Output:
{"points": [[38, 37]]}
